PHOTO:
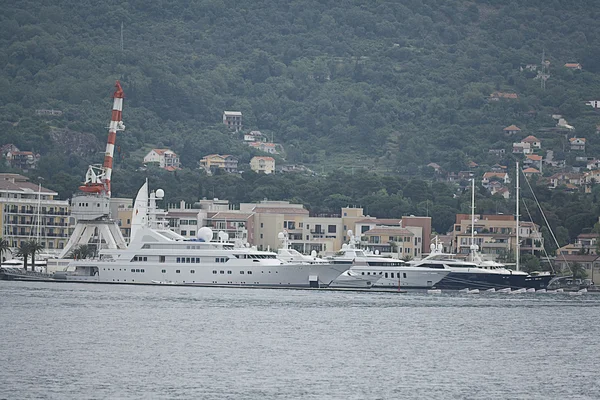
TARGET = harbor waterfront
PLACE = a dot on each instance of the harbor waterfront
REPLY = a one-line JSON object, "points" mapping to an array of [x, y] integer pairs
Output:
{"points": [[130, 342]]}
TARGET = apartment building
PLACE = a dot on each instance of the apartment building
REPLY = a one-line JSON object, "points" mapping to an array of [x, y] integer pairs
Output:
{"points": [[496, 235], [29, 212]]}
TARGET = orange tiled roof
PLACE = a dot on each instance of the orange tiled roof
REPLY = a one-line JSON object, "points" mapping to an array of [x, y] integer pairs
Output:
{"points": [[530, 139], [512, 128]]}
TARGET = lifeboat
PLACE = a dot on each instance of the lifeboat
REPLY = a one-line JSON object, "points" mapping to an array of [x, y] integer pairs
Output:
{"points": [[92, 188]]}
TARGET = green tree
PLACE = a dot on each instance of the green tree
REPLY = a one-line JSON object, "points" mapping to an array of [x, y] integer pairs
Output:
{"points": [[23, 251], [578, 271], [4, 248], [34, 247]]}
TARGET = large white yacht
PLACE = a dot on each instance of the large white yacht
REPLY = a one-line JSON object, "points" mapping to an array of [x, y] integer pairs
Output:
{"points": [[157, 254], [386, 272], [347, 279]]}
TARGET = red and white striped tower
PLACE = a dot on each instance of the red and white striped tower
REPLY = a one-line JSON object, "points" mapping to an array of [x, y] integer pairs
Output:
{"points": [[116, 124]]}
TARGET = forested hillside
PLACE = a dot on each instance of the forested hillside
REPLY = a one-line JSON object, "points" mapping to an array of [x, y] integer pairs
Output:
{"points": [[388, 86]]}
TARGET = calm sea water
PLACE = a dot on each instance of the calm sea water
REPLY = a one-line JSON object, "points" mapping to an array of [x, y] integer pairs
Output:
{"points": [[78, 341]]}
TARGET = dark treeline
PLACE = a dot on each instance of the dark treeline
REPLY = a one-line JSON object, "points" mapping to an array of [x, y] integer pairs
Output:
{"points": [[386, 86]]}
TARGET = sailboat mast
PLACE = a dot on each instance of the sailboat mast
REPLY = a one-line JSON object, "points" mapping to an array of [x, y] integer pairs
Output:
{"points": [[472, 247], [39, 213], [518, 245]]}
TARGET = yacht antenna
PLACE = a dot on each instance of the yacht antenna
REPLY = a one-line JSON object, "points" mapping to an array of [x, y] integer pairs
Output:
{"points": [[517, 220]]}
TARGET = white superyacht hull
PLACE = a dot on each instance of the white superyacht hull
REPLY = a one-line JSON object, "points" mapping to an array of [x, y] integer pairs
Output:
{"points": [[401, 277], [218, 274]]}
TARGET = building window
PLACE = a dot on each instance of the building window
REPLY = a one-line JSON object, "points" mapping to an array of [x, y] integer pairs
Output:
{"points": [[261, 225], [183, 233], [404, 275], [192, 233], [331, 229], [161, 259]]}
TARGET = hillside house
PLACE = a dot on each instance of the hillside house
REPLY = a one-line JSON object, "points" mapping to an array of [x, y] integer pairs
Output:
{"points": [[569, 179], [590, 179], [577, 144], [522, 148], [534, 161], [233, 120], [531, 172], [489, 177], [535, 143], [586, 243], [595, 104], [214, 162], [573, 66], [164, 158], [270, 148], [254, 136], [512, 130], [497, 152], [24, 160], [435, 167], [593, 164], [496, 96], [498, 168], [265, 165]]}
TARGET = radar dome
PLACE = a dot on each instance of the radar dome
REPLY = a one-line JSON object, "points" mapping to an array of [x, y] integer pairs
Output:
{"points": [[280, 235], [349, 232], [160, 193], [205, 234]]}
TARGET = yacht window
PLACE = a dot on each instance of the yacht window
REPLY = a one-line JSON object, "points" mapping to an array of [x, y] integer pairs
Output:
{"points": [[137, 270], [197, 259], [229, 272], [192, 272], [164, 271], [241, 272], [178, 259], [187, 260], [363, 273], [249, 272], [135, 258], [177, 271], [214, 271], [391, 274], [145, 258], [404, 275], [386, 274], [221, 272], [368, 273], [142, 270], [161, 259], [133, 270]]}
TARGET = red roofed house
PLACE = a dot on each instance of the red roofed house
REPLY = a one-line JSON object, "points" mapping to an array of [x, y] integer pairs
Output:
{"points": [[165, 158], [24, 160], [533, 160], [590, 179], [577, 144], [534, 142], [529, 172], [512, 130], [573, 66]]}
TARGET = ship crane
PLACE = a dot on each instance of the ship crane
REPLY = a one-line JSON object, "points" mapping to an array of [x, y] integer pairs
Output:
{"points": [[91, 207], [97, 178]]}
